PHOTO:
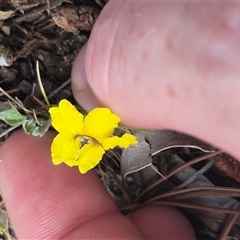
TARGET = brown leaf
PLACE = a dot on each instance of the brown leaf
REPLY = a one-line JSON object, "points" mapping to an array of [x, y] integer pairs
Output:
{"points": [[75, 18], [139, 156], [165, 139], [136, 157], [6, 15]]}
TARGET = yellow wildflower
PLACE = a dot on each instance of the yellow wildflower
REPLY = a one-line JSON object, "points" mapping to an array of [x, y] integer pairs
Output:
{"points": [[82, 141]]}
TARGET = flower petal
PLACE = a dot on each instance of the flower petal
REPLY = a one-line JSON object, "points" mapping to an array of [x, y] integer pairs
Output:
{"points": [[125, 141], [100, 123], [66, 119], [90, 156], [65, 149]]}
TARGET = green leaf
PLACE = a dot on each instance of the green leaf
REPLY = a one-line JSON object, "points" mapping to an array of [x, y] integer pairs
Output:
{"points": [[12, 117], [2, 227], [31, 126]]}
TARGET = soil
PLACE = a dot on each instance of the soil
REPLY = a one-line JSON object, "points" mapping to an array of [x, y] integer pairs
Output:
{"points": [[30, 32]]}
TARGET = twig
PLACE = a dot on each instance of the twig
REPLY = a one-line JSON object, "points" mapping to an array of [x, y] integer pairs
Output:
{"points": [[229, 225], [10, 91], [59, 88], [119, 183], [209, 155], [199, 172], [17, 102], [9, 130], [197, 192], [195, 206]]}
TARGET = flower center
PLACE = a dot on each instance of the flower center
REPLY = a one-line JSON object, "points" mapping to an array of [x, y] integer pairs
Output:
{"points": [[83, 140], [86, 140]]}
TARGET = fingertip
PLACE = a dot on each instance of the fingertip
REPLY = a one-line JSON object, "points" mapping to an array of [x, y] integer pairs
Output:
{"points": [[16, 151], [80, 87], [139, 65], [158, 222], [44, 200]]}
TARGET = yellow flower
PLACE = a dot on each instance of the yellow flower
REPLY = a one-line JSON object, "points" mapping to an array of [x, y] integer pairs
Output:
{"points": [[82, 141]]}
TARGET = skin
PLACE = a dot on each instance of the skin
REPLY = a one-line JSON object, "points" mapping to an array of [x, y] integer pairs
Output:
{"points": [[157, 65], [176, 67], [57, 202]]}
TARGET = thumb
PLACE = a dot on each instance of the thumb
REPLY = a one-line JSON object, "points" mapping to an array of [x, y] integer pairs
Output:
{"points": [[166, 65]]}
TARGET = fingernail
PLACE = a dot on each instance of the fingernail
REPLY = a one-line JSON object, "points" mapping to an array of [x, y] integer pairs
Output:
{"points": [[80, 87]]}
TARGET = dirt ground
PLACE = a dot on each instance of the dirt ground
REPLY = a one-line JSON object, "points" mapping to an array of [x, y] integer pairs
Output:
{"points": [[52, 32]]}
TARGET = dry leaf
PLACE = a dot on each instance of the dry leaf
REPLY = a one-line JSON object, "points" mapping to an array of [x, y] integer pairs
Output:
{"points": [[136, 157], [6, 15], [139, 156], [75, 18], [165, 139]]}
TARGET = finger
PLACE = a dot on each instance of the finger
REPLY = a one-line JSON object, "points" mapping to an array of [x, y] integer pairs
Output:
{"points": [[85, 95], [169, 65], [164, 222], [55, 202]]}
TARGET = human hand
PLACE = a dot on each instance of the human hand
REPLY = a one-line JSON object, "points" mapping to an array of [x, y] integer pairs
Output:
{"points": [[57, 202], [166, 65]]}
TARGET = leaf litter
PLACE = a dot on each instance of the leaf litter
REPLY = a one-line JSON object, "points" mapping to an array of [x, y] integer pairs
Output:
{"points": [[166, 167]]}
